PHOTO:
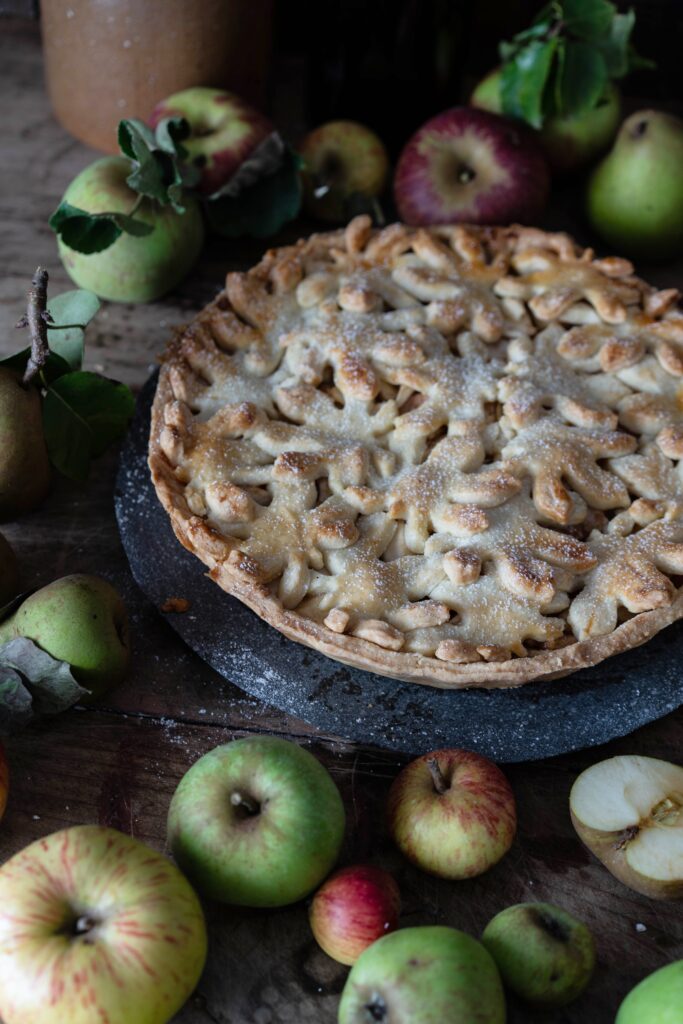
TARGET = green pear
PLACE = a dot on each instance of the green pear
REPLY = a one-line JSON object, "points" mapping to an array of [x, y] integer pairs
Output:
{"points": [[79, 619], [569, 142], [635, 196], [658, 999], [426, 975], [543, 953], [9, 572], [24, 466], [133, 269]]}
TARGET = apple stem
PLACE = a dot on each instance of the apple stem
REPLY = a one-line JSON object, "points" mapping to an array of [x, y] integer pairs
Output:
{"points": [[36, 319], [244, 803], [440, 783]]}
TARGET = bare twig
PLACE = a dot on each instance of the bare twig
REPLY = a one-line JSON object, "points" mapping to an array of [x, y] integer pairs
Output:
{"points": [[36, 319]]}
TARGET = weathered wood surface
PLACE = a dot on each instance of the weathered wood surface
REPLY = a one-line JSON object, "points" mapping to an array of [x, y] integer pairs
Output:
{"points": [[119, 763]]}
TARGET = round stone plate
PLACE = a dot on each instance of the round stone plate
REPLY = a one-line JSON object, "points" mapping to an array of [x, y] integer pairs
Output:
{"points": [[536, 720]]}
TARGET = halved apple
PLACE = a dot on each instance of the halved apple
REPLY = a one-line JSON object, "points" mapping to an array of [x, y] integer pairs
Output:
{"points": [[628, 810]]}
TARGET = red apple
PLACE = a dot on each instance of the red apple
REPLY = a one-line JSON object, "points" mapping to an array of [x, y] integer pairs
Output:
{"points": [[452, 813], [354, 908], [470, 165], [225, 131]]}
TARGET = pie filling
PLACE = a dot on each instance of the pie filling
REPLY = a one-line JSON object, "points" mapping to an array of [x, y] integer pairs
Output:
{"points": [[456, 444]]}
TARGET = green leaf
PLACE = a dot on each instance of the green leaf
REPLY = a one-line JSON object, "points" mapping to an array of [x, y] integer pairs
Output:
{"points": [[93, 232], [524, 80], [75, 307], [266, 159], [261, 209], [33, 683], [584, 77], [85, 232], [135, 137], [54, 367], [83, 414], [159, 171], [538, 30], [588, 19]]}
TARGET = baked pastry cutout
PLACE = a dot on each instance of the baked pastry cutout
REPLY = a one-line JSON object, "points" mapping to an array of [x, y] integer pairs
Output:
{"points": [[447, 455]]}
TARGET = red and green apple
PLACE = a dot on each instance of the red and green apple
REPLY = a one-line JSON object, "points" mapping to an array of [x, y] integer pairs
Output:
{"points": [[353, 908], [452, 813], [96, 927]]}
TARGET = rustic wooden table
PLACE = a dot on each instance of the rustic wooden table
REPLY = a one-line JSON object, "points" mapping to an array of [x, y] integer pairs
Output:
{"points": [[119, 762]]}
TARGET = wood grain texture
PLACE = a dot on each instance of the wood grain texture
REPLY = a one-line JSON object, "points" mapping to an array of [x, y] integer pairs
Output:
{"points": [[118, 763]]}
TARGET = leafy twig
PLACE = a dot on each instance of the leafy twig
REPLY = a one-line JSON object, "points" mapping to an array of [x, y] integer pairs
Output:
{"points": [[36, 319]]}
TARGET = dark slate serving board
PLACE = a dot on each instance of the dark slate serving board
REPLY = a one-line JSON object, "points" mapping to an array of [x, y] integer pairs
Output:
{"points": [[534, 721]]}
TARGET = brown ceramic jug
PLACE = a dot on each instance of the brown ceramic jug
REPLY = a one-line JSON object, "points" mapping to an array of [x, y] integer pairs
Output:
{"points": [[109, 59]]}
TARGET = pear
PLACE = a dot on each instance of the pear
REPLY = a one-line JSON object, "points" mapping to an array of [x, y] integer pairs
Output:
{"points": [[9, 572], [79, 619], [635, 196], [24, 466]]}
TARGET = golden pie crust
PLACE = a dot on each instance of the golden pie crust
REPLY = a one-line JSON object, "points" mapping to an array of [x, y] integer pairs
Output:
{"points": [[446, 455]]}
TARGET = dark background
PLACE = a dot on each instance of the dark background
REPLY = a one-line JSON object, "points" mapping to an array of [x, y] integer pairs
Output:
{"points": [[393, 63]]}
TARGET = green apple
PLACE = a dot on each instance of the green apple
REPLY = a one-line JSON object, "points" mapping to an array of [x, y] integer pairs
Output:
{"points": [[635, 195], [133, 269], [628, 810], [9, 572], [569, 142], [427, 975], [658, 999], [96, 928], [543, 953], [80, 619], [342, 160], [256, 822], [225, 130], [452, 813], [24, 465]]}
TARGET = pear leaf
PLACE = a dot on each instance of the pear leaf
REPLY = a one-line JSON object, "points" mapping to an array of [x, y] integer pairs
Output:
{"points": [[83, 414], [32, 683], [263, 207], [75, 307], [54, 367]]}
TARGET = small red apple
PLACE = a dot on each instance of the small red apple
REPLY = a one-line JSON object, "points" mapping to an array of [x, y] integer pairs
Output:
{"points": [[470, 165], [354, 908], [452, 813], [225, 131]]}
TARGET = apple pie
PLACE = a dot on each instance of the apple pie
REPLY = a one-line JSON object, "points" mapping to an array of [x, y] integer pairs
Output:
{"points": [[447, 455]]}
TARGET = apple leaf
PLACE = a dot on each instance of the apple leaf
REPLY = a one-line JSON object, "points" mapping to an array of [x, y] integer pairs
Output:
{"points": [[83, 414], [77, 307], [261, 208], [32, 683], [588, 19], [264, 160], [524, 79], [160, 170], [93, 232], [584, 77]]}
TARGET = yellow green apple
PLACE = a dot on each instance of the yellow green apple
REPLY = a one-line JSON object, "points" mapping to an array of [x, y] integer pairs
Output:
{"points": [[658, 999], [134, 268], [425, 975], [342, 160], [257, 822]]}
